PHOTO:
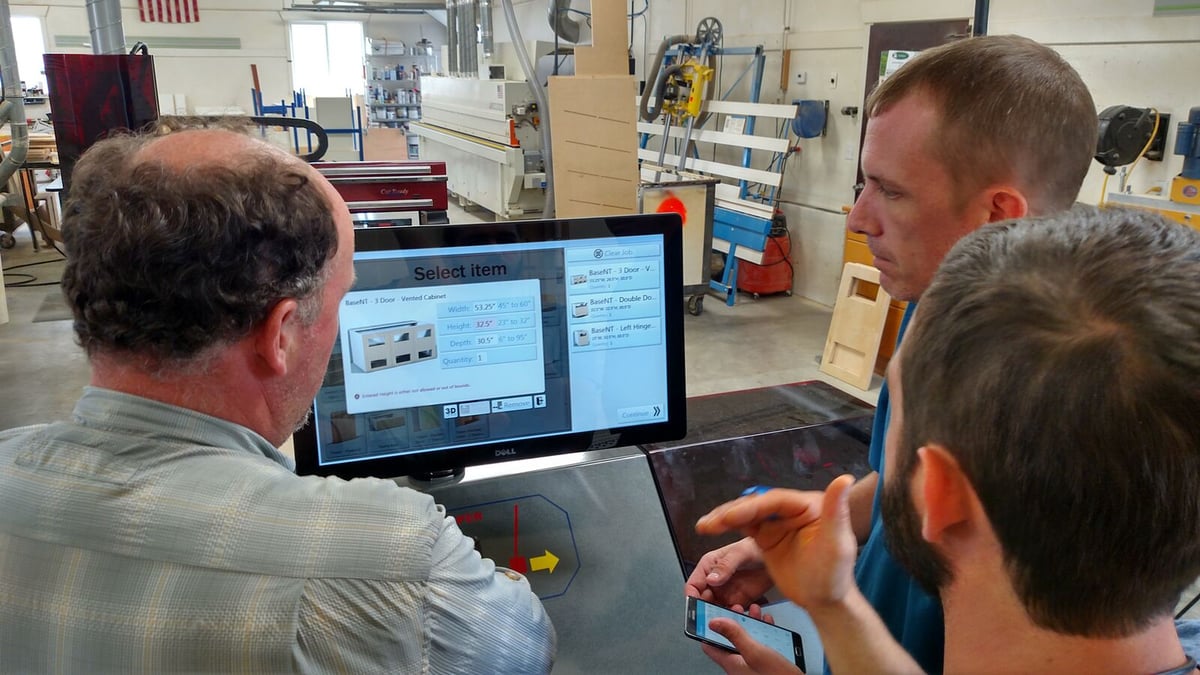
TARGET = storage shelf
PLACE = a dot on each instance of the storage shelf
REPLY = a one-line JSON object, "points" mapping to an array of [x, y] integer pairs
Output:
{"points": [[395, 105], [410, 81]]}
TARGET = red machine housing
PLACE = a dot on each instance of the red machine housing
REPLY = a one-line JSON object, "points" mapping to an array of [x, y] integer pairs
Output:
{"points": [[388, 192], [775, 273], [93, 94]]}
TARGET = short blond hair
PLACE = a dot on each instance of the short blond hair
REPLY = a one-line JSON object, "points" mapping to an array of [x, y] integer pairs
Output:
{"points": [[1011, 110]]}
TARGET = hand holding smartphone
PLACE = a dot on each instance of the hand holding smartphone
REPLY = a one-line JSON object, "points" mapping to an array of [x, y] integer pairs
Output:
{"points": [[699, 612]]}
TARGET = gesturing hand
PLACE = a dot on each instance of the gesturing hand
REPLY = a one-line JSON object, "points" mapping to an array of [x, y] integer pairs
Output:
{"points": [[805, 539]]}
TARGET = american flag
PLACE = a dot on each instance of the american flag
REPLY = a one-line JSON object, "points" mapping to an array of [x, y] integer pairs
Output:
{"points": [[168, 11]]}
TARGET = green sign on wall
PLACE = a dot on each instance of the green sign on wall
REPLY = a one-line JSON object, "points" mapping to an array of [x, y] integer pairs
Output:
{"points": [[1175, 7]]}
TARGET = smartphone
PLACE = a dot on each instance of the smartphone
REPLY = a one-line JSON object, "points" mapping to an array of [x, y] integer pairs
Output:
{"points": [[699, 612]]}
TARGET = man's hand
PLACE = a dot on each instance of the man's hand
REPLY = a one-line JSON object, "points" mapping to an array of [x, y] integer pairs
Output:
{"points": [[730, 575], [752, 657], [809, 551], [810, 557]]}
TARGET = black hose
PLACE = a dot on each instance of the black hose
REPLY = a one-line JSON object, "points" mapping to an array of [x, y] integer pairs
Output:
{"points": [[653, 84]]}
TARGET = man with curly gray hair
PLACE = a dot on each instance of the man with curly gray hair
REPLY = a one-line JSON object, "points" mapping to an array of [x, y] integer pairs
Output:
{"points": [[159, 529]]}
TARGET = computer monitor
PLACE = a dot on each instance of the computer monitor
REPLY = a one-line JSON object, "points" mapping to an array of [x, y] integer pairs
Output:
{"points": [[462, 345]]}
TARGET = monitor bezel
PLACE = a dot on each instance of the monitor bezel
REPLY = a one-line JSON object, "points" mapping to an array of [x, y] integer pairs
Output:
{"points": [[444, 462]]}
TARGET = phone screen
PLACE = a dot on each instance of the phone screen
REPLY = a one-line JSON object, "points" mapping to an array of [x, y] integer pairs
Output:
{"points": [[782, 640]]}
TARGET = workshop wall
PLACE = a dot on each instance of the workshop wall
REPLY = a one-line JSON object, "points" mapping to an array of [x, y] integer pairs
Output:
{"points": [[220, 78], [1126, 55], [1123, 52], [825, 41], [214, 78]]}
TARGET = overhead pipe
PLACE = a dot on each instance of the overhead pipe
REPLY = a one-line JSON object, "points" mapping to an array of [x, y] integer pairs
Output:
{"points": [[485, 28], [12, 110], [460, 17], [514, 31], [452, 37], [463, 14], [563, 26], [104, 22], [461, 36], [471, 28]]}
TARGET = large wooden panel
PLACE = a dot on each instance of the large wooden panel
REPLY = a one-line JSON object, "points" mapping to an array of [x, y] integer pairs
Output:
{"points": [[595, 145], [608, 53], [856, 251], [857, 326], [382, 143]]}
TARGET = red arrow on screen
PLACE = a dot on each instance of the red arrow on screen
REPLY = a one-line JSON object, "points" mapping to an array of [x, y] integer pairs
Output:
{"points": [[517, 563]]}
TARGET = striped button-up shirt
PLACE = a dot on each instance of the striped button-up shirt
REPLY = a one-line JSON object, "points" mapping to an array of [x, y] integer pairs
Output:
{"points": [[142, 537]]}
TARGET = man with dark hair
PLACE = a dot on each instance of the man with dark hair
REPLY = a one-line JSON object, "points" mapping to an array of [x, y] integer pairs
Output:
{"points": [[1054, 507], [160, 530], [976, 131]]}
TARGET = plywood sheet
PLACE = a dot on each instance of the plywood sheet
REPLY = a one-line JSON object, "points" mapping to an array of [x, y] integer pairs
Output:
{"points": [[857, 326], [594, 139], [609, 51], [383, 143]]}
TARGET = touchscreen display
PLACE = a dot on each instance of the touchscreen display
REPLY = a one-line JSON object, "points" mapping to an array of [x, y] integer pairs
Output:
{"points": [[479, 337]]}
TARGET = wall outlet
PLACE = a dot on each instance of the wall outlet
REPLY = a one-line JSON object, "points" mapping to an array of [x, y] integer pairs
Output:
{"points": [[833, 79], [802, 77]]}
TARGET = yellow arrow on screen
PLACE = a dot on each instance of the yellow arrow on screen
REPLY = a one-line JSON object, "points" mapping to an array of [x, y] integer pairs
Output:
{"points": [[543, 562]]}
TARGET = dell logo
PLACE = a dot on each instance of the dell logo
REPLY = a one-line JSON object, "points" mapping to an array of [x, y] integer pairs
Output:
{"points": [[506, 452]]}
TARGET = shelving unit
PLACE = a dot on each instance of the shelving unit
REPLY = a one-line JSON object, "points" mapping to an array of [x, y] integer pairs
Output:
{"points": [[394, 71]]}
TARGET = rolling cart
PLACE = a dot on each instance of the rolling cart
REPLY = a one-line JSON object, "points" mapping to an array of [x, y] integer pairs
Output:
{"points": [[693, 197]]}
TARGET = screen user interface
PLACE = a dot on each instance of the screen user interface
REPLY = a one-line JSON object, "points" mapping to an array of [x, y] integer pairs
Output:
{"points": [[778, 639], [456, 346]]}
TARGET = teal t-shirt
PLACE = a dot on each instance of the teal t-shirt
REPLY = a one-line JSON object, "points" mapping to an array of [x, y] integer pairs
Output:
{"points": [[913, 616]]}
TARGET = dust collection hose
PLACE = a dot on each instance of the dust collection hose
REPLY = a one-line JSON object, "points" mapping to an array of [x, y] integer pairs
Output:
{"points": [[514, 32], [660, 76]]}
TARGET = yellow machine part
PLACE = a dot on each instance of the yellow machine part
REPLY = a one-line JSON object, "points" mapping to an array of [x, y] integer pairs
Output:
{"points": [[1185, 190], [1190, 219], [1180, 212], [697, 76]]}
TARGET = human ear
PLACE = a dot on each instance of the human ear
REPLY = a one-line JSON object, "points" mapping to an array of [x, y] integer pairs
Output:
{"points": [[1006, 202], [944, 491], [274, 338]]}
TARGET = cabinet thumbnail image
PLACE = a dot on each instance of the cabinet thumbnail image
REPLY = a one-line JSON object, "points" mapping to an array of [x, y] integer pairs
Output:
{"points": [[375, 348]]}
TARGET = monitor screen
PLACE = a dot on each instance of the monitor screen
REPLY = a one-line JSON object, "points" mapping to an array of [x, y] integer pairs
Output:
{"points": [[462, 345]]}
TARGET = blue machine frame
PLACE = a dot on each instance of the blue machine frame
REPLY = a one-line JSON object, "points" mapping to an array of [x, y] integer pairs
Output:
{"points": [[737, 228], [300, 104]]}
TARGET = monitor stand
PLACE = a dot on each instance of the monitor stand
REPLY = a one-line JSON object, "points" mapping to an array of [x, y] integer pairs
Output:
{"points": [[427, 480]]}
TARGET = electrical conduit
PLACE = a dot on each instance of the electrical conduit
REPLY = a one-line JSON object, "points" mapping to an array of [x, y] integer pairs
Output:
{"points": [[514, 32], [12, 110]]}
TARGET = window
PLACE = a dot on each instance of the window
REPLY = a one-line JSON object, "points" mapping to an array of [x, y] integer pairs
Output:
{"points": [[327, 58], [30, 45]]}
